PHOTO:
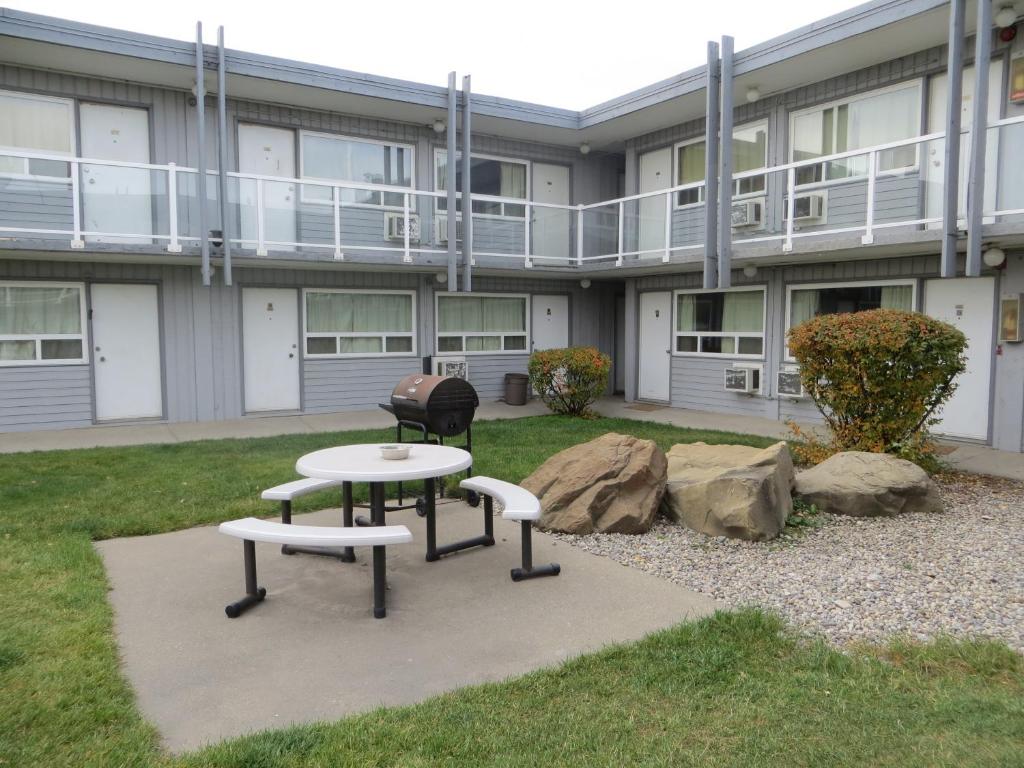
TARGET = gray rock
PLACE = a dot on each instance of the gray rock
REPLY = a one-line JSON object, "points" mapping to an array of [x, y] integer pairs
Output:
{"points": [[730, 490], [868, 485]]}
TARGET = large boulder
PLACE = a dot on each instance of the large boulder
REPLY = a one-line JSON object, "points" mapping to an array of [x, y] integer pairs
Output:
{"points": [[730, 490], [612, 484], [868, 485]]}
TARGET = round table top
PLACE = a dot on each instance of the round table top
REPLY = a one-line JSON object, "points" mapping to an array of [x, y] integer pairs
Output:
{"points": [[363, 463]]}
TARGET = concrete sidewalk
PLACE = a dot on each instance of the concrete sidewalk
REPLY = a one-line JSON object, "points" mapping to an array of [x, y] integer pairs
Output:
{"points": [[313, 651], [964, 456]]}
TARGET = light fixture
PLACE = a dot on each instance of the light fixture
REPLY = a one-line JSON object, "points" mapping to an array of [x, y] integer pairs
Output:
{"points": [[994, 257], [585, 148], [1005, 16], [753, 94], [441, 277], [750, 271], [585, 283], [438, 126]]}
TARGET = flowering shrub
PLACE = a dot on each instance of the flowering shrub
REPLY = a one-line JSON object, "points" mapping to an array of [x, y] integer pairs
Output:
{"points": [[878, 377], [569, 380]]}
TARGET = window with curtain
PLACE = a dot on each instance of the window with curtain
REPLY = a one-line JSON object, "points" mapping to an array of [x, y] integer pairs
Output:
{"points": [[492, 176], [749, 153], [475, 323], [865, 121], [41, 324], [357, 323], [35, 123], [337, 158], [720, 323], [806, 302]]}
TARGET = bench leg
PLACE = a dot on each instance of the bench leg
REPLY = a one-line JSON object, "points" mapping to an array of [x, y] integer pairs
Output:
{"points": [[527, 571], [380, 584], [253, 593], [435, 552], [286, 518], [345, 554], [348, 554]]}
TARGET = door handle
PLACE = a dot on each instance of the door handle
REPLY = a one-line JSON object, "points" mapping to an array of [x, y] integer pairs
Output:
{"points": [[103, 359], [291, 354]]}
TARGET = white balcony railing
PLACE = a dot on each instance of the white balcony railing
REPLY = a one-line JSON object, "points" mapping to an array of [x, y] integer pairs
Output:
{"points": [[893, 186]]}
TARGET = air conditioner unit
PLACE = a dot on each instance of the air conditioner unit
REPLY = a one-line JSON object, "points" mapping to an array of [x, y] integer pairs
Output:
{"points": [[748, 213], [394, 227], [450, 366], [809, 207], [788, 383], [441, 229], [745, 379]]}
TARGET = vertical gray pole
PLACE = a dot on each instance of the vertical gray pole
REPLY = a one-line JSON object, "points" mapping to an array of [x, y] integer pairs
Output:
{"points": [[450, 168], [979, 131], [951, 170], [467, 206], [222, 153], [204, 240], [726, 185], [711, 172]]}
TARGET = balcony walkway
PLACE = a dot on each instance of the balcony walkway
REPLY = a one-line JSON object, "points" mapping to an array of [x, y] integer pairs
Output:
{"points": [[967, 457]]}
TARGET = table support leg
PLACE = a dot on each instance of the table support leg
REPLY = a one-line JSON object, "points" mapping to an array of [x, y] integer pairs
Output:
{"points": [[348, 554], [428, 492], [380, 584]]}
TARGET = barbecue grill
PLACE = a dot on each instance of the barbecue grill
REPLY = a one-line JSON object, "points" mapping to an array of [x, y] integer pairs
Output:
{"points": [[436, 407]]}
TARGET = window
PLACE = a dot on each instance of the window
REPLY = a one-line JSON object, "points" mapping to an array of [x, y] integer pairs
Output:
{"points": [[36, 123], [807, 301], [492, 176], [41, 324], [361, 161], [722, 323], [342, 323], [481, 323], [865, 121], [749, 153]]}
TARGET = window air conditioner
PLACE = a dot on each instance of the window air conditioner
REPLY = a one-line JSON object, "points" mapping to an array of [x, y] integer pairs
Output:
{"points": [[450, 366], [394, 227], [441, 229], [745, 379], [788, 383], [748, 213], [809, 207]]}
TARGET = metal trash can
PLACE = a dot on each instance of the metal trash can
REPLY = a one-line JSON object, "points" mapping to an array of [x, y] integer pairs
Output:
{"points": [[516, 388]]}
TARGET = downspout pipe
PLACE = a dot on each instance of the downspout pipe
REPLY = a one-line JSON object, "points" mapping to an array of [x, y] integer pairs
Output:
{"points": [[979, 137], [725, 185], [711, 170], [951, 170], [204, 232], [467, 186], [222, 153], [450, 166]]}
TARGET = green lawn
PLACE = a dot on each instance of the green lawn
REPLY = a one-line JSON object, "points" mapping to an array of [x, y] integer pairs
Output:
{"points": [[728, 690]]}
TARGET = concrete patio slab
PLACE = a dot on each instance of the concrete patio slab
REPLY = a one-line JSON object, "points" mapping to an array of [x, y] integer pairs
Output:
{"points": [[313, 651]]}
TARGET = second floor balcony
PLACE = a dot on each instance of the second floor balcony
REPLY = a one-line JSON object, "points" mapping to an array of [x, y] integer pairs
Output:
{"points": [[885, 195]]}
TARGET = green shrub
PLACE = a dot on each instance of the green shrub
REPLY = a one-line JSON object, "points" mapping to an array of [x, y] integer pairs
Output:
{"points": [[878, 377], [570, 380]]}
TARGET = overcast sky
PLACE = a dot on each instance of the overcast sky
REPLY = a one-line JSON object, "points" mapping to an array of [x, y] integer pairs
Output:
{"points": [[571, 55]]}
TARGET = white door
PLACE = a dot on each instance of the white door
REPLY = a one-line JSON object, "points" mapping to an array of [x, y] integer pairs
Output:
{"points": [[551, 228], [126, 352], [935, 157], [655, 346], [968, 304], [549, 325], [267, 152], [116, 200], [655, 174], [270, 349]]}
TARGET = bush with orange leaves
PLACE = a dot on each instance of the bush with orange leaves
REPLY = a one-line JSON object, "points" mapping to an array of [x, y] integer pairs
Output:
{"points": [[878, 377], [570, 380]]}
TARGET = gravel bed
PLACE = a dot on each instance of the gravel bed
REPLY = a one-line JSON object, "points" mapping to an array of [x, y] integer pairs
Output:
{"points": [[960, 572]]}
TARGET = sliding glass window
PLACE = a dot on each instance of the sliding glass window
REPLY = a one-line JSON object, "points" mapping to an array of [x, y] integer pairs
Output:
{"points": [[749, 153], [340, 158], [720, 323], [347, 323], [492, 176], [42, 324], [39, 124], [481, 323]]}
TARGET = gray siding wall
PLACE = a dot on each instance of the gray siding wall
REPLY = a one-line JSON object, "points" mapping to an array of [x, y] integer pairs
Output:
{"points": [[45, 397]]}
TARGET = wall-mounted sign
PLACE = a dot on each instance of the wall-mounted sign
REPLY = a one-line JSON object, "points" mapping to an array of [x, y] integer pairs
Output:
{"points": [[1017, 80], [1010, 329]]}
